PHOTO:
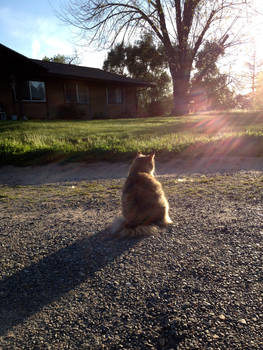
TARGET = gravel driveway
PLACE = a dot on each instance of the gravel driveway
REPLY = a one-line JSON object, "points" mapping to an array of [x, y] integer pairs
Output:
{"points": [[66, 284]]}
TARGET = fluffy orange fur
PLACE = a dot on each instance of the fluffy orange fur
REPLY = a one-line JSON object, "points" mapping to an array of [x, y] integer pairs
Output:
{"points": [[144, 205]]}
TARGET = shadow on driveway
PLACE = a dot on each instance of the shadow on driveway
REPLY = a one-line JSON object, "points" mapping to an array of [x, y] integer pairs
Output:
{"points": [[27, 291]]}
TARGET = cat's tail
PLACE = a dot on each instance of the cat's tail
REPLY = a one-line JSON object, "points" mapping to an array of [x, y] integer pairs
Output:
{"points": [[119, 230]]}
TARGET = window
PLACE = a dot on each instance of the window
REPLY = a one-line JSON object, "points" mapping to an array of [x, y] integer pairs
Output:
{"points": [[76, 93], [70, 93], [115, 95], [82, 93], [33, 91]]}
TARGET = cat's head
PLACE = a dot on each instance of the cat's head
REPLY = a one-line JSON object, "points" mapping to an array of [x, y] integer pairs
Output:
{"points": [[143, 163]]}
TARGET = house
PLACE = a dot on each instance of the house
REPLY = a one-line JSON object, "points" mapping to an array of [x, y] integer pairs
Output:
{"points": [[46, 90]]}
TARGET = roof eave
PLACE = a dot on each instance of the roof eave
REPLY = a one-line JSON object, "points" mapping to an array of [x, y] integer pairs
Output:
{"points": [[101, 81]]}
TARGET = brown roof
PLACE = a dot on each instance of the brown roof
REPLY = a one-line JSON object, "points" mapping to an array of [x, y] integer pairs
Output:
{"points": [[92, 74], [66, 70], [16, 61]]}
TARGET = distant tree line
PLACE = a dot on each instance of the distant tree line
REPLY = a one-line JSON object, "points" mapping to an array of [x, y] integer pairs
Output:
{"points": [[147, 61], [59, 58]]}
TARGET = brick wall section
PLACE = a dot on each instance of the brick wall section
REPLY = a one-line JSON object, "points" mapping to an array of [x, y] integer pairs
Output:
{"points": [[55, 104]]}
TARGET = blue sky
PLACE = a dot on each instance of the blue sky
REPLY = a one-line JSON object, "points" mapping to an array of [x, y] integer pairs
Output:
{"points": [[31, 28]]}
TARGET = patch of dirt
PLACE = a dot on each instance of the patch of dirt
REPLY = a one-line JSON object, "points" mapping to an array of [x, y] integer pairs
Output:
{"points": [[75, 172]]}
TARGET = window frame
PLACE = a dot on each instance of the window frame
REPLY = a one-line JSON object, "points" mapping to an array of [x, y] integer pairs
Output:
{"points": [[115, 97], [77, 87], [30, 92]]}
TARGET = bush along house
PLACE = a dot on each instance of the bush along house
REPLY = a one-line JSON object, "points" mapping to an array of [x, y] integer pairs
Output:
{"points": [[37, 89]]}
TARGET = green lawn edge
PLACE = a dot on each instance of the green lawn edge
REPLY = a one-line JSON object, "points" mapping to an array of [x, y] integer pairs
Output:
{"points": [[236, 133]]}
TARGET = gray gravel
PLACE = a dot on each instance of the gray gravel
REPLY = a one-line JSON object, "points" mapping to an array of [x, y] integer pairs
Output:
{"points": [[65, 284], [70, 172]]}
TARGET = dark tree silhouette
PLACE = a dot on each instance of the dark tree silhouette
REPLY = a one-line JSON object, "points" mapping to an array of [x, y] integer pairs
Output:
{"points": [[208, 78], [182, 26], [74, 59], [146, 61]]}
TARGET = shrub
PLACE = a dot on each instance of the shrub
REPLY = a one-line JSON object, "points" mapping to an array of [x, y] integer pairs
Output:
{"points": [[71, 111]]}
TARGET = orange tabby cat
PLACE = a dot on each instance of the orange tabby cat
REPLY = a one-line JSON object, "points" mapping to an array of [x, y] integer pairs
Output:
{"points": [[143, 201]]}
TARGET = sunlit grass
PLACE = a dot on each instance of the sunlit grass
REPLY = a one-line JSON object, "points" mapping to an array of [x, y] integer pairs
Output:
{"points": [[38, 141]]}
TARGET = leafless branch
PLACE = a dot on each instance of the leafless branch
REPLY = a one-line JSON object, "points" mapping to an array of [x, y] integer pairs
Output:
{"points": [[182, 26]]}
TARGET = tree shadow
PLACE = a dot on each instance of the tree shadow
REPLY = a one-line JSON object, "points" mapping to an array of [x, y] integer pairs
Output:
{"points": [[27, 291]]}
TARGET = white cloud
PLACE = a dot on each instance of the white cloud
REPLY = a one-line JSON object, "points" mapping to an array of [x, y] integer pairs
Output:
{"points": [[35, 48], [92, 58], [40, 36], [52, 38], [36, 37]]}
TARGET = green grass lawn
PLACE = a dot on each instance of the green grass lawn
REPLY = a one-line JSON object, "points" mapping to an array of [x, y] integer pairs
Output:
{"points": [[36, 142]]}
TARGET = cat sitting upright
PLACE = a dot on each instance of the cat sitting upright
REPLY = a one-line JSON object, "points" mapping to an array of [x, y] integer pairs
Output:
{"points": [[144, 205]]}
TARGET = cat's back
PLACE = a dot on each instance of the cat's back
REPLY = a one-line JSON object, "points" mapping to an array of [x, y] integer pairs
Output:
{"points": [[143, 199], [141, 181]]}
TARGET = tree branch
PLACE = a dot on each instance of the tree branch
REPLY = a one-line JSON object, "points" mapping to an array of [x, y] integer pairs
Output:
{"points": [[201, 36]]}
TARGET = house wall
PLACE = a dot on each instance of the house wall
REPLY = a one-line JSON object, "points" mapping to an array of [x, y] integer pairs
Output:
{"points": [[56, 107], [131, 102], [32, 110], [6, 99], [99, 106], [55, 96], [98, 101]]}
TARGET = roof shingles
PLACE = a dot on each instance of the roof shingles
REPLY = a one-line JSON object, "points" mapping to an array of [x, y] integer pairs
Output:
{"points": [[94, 74]]}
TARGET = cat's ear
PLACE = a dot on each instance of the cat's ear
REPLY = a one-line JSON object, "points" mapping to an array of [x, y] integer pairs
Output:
{"points": [[152, 155]]}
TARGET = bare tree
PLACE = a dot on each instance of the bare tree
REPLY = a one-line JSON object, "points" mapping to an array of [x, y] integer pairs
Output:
{"points": [[182, 26], [254, 65]]}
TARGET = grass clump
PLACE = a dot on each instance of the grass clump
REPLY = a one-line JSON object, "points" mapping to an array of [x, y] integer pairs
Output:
{"points": [[37, 142]]}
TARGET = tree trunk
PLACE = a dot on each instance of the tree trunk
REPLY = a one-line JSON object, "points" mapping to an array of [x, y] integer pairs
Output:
{"points": [[181, 86]]}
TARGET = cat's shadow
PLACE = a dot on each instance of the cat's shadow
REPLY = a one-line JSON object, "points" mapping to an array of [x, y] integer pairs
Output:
{"points": [[27, 291]]}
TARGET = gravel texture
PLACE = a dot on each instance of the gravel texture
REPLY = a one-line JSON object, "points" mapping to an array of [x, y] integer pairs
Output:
{"points": [[61, 172], [66, 284]]}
